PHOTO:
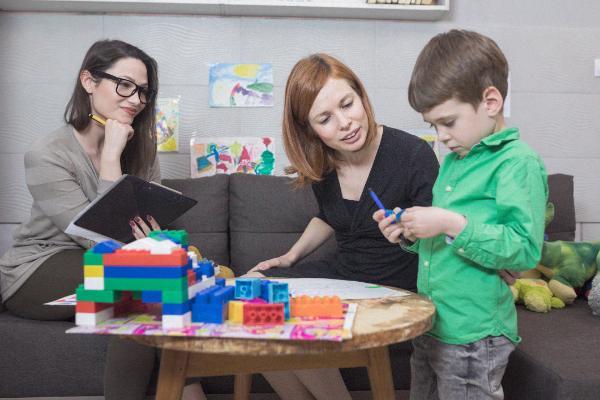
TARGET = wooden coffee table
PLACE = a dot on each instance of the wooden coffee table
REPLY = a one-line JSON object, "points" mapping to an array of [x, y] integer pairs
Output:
{"points": [[379, 323]]}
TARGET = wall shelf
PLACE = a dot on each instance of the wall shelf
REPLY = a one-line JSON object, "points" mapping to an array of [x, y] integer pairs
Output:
{"points": [[255, 8]]}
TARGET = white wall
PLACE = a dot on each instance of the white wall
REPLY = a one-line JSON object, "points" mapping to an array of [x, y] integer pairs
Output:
{"points": [[551, 46]]}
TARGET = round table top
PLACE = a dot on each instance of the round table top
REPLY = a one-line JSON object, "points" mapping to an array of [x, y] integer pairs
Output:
{"points": [[378, 322]]}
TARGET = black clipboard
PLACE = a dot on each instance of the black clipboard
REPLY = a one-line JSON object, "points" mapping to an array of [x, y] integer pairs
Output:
{"points": [[108, 216]]}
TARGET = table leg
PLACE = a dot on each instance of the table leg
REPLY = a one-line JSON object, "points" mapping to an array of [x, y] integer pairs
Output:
{"points": [[172, 374], [380, 374], [241, 386]]}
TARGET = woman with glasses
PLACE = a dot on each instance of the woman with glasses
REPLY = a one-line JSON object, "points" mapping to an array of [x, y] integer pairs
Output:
{"points": [[67, 169]]}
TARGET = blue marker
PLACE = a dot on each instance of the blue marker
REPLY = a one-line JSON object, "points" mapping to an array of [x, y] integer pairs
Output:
{"points": [[388, 212]]}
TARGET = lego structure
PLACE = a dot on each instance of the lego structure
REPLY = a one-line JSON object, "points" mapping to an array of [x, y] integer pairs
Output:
{"points": [[119, 280]]}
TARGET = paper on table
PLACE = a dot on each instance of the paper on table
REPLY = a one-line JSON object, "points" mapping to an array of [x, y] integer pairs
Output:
{"points": [[333, 287]]}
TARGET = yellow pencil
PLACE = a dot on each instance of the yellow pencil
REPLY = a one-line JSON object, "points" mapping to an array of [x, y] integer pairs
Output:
{"points": [[97, 119]]}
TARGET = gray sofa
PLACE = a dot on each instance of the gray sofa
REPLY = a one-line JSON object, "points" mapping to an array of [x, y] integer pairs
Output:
{"points": [[243, 219]]}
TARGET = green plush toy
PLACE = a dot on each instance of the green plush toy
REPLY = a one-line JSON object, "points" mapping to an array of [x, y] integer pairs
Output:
{"points": [[535, 295], [566, 265]]}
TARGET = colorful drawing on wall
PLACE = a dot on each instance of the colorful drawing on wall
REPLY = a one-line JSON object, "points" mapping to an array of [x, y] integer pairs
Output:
{"points": [[430, 136], [167, 124], [240, 85], [226, 155]]}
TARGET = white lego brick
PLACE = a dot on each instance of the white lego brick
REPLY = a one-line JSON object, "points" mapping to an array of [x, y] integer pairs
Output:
{"points": [[194, 257], [200, 285], [177, 321], [93, 283], [153, 246], [93, 319]]}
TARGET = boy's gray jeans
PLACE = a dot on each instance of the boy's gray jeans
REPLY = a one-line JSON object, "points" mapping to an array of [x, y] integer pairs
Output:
{"points": [[473, 371]]}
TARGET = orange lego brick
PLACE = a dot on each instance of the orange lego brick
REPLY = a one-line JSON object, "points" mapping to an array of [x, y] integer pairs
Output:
{"points": [[143, 257], [317, 306]]}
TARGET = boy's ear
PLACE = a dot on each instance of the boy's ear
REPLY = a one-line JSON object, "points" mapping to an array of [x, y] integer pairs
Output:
{"points": [[492, 98], [87, 81]]}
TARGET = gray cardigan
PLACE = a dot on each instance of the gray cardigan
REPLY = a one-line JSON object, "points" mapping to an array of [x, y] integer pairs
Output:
{"points": [[62, 181]]}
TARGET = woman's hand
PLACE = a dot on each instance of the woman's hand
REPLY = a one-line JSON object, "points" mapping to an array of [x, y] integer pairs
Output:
{"points": [[283, 261], [140, 228], [116, 136]]}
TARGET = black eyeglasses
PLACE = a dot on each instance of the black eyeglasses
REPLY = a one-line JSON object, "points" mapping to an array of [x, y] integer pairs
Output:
{"points": [[127, 88]]}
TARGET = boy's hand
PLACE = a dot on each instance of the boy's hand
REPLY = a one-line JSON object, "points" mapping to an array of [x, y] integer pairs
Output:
{"points": [[426, 222], [388, 226]]}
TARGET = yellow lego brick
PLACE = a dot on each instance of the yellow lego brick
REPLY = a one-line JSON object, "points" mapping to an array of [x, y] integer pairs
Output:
{"points": [[236, 311], [93, 271]]}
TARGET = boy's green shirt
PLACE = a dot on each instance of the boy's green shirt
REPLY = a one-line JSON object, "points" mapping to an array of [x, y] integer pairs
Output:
{"points": [[501, 188]]}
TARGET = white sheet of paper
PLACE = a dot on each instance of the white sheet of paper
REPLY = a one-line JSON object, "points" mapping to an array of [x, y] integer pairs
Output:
{"points": [[333, 287]]}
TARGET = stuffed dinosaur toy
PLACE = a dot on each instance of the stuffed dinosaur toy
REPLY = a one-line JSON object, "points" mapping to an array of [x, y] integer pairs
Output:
{"points": [[535, 295], [566, 265]]}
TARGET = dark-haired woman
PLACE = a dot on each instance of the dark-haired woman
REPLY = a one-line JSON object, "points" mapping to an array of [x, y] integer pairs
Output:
{"points": [[65, 171]]}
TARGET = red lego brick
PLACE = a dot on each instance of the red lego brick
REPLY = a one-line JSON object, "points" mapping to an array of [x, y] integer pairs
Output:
{"points": [[263, 314], [143, 257], [91, 307]]}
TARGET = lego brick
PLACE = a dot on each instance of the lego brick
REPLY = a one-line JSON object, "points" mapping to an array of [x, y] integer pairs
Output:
{"points": [[106, 247], [191, 275], [93, 271], [91, 307], [93, 319], [247, 288], [220, 282], [178, 257], [205, 268], [200, 286], [278, 292], [153, 296], [146, 284], [175, 296], [91, 258], [263, 314], [177, 236], [235, 311], [100, 296], [177, 309], [93, 283], [210, 304], [176, 321], [144, 272], [317, 306]]}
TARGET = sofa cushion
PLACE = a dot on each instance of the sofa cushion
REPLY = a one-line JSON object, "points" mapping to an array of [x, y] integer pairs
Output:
{"points": [[562, 226], [207, 222], [39, 359], [267, 215], [558, 357]]}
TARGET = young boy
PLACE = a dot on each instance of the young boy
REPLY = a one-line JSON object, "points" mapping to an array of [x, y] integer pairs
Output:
{"points": [[487, 215]]}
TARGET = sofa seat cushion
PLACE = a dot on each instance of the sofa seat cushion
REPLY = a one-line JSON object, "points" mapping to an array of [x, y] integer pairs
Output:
{"points": [[559, 357], [39, 359], [207, 222]]}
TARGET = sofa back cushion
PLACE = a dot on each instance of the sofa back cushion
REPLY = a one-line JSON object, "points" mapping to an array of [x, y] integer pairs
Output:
{"points": [[266, 216], [207, 222], [561, 195]]}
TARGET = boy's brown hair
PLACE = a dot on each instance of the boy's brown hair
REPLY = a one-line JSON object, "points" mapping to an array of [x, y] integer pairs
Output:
{"points": [[309, 157], [459, 64]]}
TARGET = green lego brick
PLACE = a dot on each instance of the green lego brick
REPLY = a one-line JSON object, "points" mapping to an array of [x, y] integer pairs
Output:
{"points": [[136, 295], [180, 284], [179, 236], [97, 296], [175, 297], [91, 258]]}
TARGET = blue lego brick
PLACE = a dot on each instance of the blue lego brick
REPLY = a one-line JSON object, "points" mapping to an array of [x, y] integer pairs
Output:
{"points": [[144, 272], [206, 268], [106, 247], [220, 282], [151, 296], [264, 289], [247, 288], [210, 304], [176, 309], [286, 309], [278, 292]]}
